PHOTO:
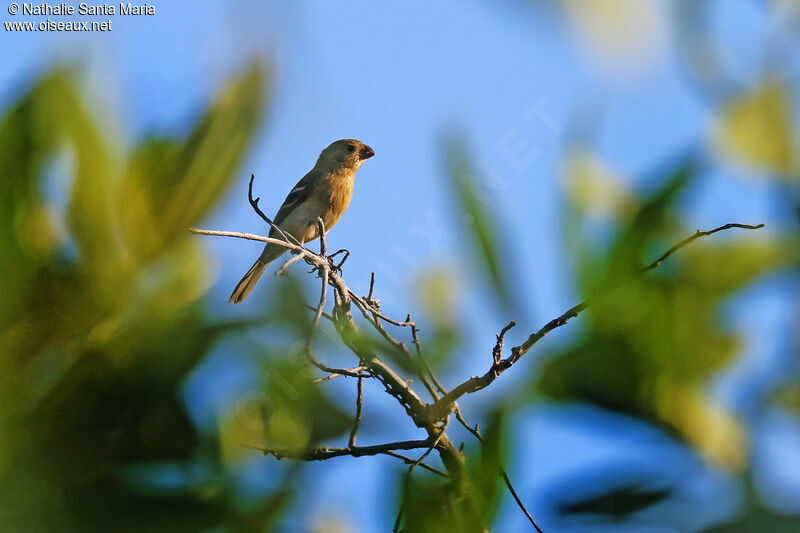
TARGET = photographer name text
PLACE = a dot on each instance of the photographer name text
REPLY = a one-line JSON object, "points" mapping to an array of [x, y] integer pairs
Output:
{"points": [[86, 9]]}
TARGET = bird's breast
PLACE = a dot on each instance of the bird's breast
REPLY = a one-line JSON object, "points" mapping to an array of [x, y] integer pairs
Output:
{"points": [[339, 195]]}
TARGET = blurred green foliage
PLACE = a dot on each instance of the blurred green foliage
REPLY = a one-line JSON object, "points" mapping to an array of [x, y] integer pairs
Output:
{"points": [[755, 130], [432, 505], [102, 318]]}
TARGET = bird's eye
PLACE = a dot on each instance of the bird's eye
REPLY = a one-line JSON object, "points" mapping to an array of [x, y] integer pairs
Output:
{"points": [[351, 148]]}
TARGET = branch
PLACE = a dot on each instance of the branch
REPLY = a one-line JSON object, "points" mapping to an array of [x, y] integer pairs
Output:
{"points": [[696, 235], [323, 453], [259, 212], [359, 406], [323, 267], [355, 372], [423, 361], [323, 248], [409, 461], [249, 237], [375, 321], [497, 351], [444, 405], [477, 434], [396, 386], [289, 262]]}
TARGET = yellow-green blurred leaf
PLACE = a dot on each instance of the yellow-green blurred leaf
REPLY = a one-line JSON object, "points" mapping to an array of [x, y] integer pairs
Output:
{"points": [[214, 151], [303, 413], [151, 168], [488, 464], [89, 212], [28, 139], [595, 187], [622, 36], [170, 184], [755, 129]]}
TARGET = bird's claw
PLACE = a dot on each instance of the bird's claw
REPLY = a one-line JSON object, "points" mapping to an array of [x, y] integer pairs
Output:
{"points": [[337, 268]]}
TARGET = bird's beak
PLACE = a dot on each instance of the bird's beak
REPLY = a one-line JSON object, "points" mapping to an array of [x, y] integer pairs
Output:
{"points": [[366, 152]]}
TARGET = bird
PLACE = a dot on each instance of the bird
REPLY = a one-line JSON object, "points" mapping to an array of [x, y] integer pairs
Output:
{"points": [[324, 192]]}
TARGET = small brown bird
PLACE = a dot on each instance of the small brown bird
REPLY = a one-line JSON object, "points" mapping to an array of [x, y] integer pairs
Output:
{"points": [[324, 192]]}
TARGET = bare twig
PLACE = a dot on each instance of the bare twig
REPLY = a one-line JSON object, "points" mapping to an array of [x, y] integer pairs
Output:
{"points": [[359, 407], [415, 336], [247, 236], [325, 315], [355, 372], [395, 385], [363, 304], [323, 453], [477, 434], [401, 347], [517, 499], [422, 362], [323, 267], [371, 301], [407, 479], [289, 262], [697, 235], [259, 212], [409, 461], [322, 264], [323, 246], [375, 321], [445, 404], [497, 351]]}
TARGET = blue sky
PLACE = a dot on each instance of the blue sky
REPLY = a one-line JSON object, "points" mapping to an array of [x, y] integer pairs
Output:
{"points": [[398, 76]]}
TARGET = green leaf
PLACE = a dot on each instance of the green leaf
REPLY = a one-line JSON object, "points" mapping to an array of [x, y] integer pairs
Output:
{"points": [[430, 506], [302, 414], [29, 139], [482, 226], [89, 211], [214, 150], [151, 166], [170, 185], [487, 467]]}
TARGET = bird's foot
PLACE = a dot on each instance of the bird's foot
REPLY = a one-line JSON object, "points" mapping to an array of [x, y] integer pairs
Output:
{"points": [[338, 267]]}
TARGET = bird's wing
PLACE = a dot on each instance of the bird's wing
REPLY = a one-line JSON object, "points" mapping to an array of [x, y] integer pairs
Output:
{"points": [[299, 194]]}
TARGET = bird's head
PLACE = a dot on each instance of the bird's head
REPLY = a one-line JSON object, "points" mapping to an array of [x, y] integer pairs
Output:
{"points": [[346, 153]]}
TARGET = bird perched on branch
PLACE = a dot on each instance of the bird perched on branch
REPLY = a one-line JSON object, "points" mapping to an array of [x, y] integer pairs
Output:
{"points": [[324, 192]]}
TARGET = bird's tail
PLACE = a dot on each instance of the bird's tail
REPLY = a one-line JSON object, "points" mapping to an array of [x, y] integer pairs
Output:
{"points": [[248, 282]]}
